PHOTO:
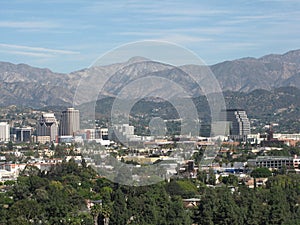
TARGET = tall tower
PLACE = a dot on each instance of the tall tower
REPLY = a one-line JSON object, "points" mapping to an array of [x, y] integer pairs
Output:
{"points": [[69, 122], [4, 132], [239, 122], [47, 126], [23, 134]]}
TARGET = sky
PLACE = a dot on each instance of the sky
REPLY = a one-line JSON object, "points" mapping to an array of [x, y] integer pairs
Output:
{"points": [[69, 35]]}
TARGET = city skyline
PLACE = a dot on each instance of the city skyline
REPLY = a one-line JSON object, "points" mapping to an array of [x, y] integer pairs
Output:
{"points": [[150, 112]]}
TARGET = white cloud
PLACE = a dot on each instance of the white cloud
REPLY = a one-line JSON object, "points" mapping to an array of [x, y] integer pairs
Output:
{"points": [[34, 51], [32, 54]]}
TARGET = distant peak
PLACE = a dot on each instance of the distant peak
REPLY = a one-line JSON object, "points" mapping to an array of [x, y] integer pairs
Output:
{"points": [[137, 59]]}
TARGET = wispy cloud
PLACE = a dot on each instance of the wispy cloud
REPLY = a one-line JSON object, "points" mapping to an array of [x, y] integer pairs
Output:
{"points": [[244, 19], [34, 51], [236, 45], [184, 39], [185, 12], [176, 36], [166, 11], [31, 54], [213, 28], [199, 31], [29, 24], [279, 1], [272, 17], [171, 7]]}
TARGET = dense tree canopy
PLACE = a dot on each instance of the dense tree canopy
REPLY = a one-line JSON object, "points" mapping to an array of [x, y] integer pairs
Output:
{"points": [[60, 197], [261, 172]]}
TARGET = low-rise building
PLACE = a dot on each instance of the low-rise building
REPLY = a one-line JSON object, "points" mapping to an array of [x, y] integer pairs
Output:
{"points": [[275, 162], [258, 182]]}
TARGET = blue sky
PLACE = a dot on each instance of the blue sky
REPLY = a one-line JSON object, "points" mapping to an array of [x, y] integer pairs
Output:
{"points": [[68, 35]]}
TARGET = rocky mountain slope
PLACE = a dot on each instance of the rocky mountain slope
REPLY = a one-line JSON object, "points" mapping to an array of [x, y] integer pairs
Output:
{"points": [[267, 72], [28, 86]]}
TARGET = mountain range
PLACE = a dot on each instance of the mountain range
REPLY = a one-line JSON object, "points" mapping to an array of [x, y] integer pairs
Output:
{"points": [[24, 85]]}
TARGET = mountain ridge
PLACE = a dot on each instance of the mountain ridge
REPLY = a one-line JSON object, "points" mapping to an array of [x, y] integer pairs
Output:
{"points": [[37, 87]]}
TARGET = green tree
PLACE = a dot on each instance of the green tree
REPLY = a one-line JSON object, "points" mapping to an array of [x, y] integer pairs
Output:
{"points": [[119, 209], [202, 176], [204, 213], [227, 211], [95, 212], [279, 207], [253, 206], [211, 177], [176, 213], [27, 209], [261, 172], [10, 146], [230, 180]]}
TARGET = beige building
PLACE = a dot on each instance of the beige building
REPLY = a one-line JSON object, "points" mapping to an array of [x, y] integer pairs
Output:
{"points": [[43, 139], [69, 122]]}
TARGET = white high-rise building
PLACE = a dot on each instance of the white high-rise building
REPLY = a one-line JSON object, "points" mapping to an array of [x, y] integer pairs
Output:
{"points": [[4, 131], [122, 133], [69, 122], [47, 126]]}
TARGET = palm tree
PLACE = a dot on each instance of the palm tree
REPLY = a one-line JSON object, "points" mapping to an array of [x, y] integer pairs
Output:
{"points": [[95, 211], [105, 212]]}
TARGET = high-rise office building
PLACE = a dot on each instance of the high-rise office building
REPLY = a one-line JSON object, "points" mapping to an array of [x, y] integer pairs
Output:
{"points": [[4, 132], [239, 122], [69, 122], [122, 133], [47, 126], [23, 134]]}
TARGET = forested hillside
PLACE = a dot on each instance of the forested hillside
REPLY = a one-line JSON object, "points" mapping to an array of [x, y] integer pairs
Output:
{"points": [[61, 196]]}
